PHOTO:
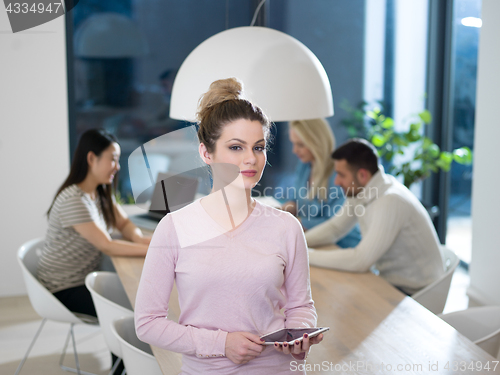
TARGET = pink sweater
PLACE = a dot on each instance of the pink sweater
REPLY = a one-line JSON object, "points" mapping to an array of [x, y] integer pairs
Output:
{"points": [[234, 281]]}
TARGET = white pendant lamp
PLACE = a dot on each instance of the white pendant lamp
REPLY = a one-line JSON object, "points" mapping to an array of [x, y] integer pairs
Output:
{"points": [[279, 74]]}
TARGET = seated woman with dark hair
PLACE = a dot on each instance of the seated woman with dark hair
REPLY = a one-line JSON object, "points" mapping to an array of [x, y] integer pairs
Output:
{"points": [[81, 218]]}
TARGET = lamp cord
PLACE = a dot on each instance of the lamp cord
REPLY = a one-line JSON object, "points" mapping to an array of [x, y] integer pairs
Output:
{"points": [[257, 12]]}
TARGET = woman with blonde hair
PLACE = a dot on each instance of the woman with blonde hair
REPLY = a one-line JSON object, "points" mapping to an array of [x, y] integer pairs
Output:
{"points": [[314, 197]]}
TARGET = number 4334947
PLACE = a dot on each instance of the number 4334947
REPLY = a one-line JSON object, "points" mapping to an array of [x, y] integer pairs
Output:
{"points": [[471, 366], [34, 8]]}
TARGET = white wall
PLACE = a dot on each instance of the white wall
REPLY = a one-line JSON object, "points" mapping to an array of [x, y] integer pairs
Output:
{"points": [[410, 68], [410, 63], [34, 155], [484, 269]]}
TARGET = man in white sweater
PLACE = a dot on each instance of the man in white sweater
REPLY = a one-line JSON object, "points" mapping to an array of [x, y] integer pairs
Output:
{"points": [[397, 235]]}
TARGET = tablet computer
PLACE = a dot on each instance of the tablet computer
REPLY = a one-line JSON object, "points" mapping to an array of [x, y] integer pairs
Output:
{"points": [[289, 335]]}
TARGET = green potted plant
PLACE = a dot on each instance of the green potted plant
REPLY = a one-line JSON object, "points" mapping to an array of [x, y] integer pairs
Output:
{"points": [[420, 156]]}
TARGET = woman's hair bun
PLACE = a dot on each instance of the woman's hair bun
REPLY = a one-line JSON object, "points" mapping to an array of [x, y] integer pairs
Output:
{"points": [[218, 92]]}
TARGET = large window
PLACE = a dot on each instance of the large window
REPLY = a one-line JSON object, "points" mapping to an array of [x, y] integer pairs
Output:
{"points": [[123, 82]]}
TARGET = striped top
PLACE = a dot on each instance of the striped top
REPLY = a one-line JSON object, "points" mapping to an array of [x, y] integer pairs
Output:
{"points": [[67, 257]]}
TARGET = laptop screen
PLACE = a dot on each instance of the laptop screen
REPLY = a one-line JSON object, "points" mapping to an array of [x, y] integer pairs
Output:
{"points": [[172, 192]]}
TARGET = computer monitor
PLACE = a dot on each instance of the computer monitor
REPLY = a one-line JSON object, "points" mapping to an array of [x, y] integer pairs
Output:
{"points": [[172, 192]]}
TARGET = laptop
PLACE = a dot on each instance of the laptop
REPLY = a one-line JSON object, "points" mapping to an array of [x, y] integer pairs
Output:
{"points": [[170, 193]]}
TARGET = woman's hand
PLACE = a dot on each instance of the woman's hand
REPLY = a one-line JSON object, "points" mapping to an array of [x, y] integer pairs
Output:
{"points": [[242, 347], [299, 349]]}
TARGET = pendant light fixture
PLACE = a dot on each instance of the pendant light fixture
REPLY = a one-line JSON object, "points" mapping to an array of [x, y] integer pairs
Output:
{"points": [[279, 74]]}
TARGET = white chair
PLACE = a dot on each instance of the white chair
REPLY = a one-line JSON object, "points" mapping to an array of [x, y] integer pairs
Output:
{"points": [[111, 302], [434, 295], [46, 304], [481, 325], [137, 355]]}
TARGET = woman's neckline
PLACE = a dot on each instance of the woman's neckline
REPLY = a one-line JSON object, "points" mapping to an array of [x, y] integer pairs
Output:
{"points": [[93, 198], [231, 233]]}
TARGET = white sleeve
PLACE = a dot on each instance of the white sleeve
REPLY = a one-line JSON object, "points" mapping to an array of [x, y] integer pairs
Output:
{"points": [[332, 230], [390, 216]]}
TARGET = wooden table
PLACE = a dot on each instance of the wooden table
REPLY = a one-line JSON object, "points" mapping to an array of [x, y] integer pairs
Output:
{"points": [[374, 328]]}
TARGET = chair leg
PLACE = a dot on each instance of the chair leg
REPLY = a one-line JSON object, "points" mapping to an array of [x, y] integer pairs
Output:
{"points": [[115, 365], [70, 369], [65, 347], [30, 347]]}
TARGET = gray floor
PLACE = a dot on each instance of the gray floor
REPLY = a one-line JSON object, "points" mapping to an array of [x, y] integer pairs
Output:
{"points": [[19, 322]]}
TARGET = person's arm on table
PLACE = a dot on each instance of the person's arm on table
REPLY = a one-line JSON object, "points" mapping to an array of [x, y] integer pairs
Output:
{"points": [[379, 237], [84, 223], [128, 229], [332, 230], [103, 241]]}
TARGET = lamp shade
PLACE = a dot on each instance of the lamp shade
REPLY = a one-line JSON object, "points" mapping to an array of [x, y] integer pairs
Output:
{"points": [[109, 35], [279, 74]]}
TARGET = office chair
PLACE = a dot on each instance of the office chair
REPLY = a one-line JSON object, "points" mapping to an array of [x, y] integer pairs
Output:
{"points": [[111, 302], [137, 355], [46, 304], [481, 325], [434, 295]]}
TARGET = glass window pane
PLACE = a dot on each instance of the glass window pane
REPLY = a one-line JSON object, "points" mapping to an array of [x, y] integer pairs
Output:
{"points": [[466, 30]]}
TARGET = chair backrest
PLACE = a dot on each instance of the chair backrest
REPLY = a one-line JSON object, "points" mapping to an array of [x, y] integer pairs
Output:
{"points": [[43, 301], [481, 325], [137, 355], [111, 302], [434, 295]]}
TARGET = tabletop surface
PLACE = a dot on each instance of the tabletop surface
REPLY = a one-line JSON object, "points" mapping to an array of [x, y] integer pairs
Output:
{"points": [[374, 328]]}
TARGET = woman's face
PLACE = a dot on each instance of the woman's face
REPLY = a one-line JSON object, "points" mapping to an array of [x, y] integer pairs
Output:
{"points": [[105, 166], [242, 143], [299, 148]]}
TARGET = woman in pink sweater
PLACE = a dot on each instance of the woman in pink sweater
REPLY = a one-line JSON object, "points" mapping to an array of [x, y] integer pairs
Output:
{"points": [[236, 262]]}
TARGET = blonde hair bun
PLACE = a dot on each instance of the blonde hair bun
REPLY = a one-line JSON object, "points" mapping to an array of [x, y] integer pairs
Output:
{"points": [[218, 92]]}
